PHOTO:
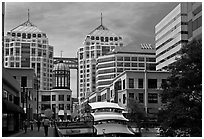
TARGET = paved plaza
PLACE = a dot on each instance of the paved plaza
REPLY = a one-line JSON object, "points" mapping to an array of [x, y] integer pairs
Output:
{"points": [[35, 133]]}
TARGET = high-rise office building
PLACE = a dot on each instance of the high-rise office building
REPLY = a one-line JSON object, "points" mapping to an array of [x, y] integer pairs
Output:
{"points": [[181, 25], [25, 46], [97, 43], [171, 33], [130, 57], [194, 11]]}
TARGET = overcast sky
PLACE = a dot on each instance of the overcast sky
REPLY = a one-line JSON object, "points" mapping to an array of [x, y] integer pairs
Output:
{"points": [[67, 24]]}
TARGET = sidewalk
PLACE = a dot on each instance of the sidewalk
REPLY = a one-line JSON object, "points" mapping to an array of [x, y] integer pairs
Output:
{"points": [[35, 133]]}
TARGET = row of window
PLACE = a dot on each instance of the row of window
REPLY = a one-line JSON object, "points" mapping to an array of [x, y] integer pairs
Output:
{"points": [[106, 39], [54, 106], [171, 47], [170, 22], [39, 41], [152, 97], [54, 98], [34, 52], [171, 30], [172, 38], [27, 35]]}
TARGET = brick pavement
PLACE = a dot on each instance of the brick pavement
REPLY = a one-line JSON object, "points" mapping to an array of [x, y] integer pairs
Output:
{"points": [[35, 133]]}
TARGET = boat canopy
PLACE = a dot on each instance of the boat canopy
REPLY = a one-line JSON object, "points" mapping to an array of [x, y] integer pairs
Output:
{"points": [[99, 117], [112, 128], [101, 105]]}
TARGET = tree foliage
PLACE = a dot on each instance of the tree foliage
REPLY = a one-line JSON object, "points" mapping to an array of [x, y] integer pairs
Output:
{"points": [[182, 114], [135, 111]]}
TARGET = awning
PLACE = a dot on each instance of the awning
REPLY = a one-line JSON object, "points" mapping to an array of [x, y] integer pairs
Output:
{"points": [[8, 107], [109, 128], [61, 112]]}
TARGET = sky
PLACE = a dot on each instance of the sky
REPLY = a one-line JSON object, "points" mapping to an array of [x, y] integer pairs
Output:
{"points": [[67, 23]]}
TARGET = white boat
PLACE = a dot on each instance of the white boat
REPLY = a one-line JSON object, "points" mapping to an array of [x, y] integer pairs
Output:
{"points": [[109, 120]]}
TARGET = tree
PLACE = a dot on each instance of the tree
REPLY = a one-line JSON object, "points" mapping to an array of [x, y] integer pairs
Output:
{"points": [[135, 112], [182, 114]]}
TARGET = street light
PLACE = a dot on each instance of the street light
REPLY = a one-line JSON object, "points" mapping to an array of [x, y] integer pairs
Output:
{"points": [[104, 132]]}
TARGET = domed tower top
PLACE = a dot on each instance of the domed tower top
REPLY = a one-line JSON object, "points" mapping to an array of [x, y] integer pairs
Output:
{"points": [[61, 76]]}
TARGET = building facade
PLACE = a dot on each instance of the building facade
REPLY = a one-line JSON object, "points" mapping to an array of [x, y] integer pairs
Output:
{"points": [[97, 43], [171, 33], [142, 86], [194, 11], [25, 46], [12, 113], [131, 57], [59, 98], [180, 26], [27, 79]]}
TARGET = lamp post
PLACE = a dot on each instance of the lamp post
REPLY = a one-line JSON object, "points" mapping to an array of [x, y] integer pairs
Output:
{"points": [[104, 132], [37, 99]]}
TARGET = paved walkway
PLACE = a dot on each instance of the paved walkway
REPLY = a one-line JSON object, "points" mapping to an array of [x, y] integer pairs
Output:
{"points": [[35, 133]]}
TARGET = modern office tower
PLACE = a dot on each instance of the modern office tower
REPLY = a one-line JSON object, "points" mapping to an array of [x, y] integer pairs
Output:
{"points": [[130, 57], [25, 46], [97, 43], [194, 20], [59, 99], [171, 33]]}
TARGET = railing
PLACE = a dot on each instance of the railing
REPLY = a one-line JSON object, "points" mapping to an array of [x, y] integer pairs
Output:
{"points": [[73, 129]]}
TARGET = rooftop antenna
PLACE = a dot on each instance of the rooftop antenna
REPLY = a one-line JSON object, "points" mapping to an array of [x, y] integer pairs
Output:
{"points": [[61, 61], [101, 19], [61, 53], [28, 15]]}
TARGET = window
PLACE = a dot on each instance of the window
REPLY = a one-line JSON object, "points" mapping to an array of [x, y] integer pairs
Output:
{"points": [[18, 34], [152, 98], [45, 97], [131, 83], [23, 35], [127, 65], [39, 35], [61, 97], [124, 84], [134, 64], [45, 106], [124, 98], [141, 98], [53, 97], [17, 64], [68, 106], [17, 51], [11, 51], [152, 83], [119, 58], [134, 58], [61, 106], [140, 83], [127, 58], [68, 97], [120, 64], [131, 95], [7, 52], [23, 81], [141, 64], [141, 58]]}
